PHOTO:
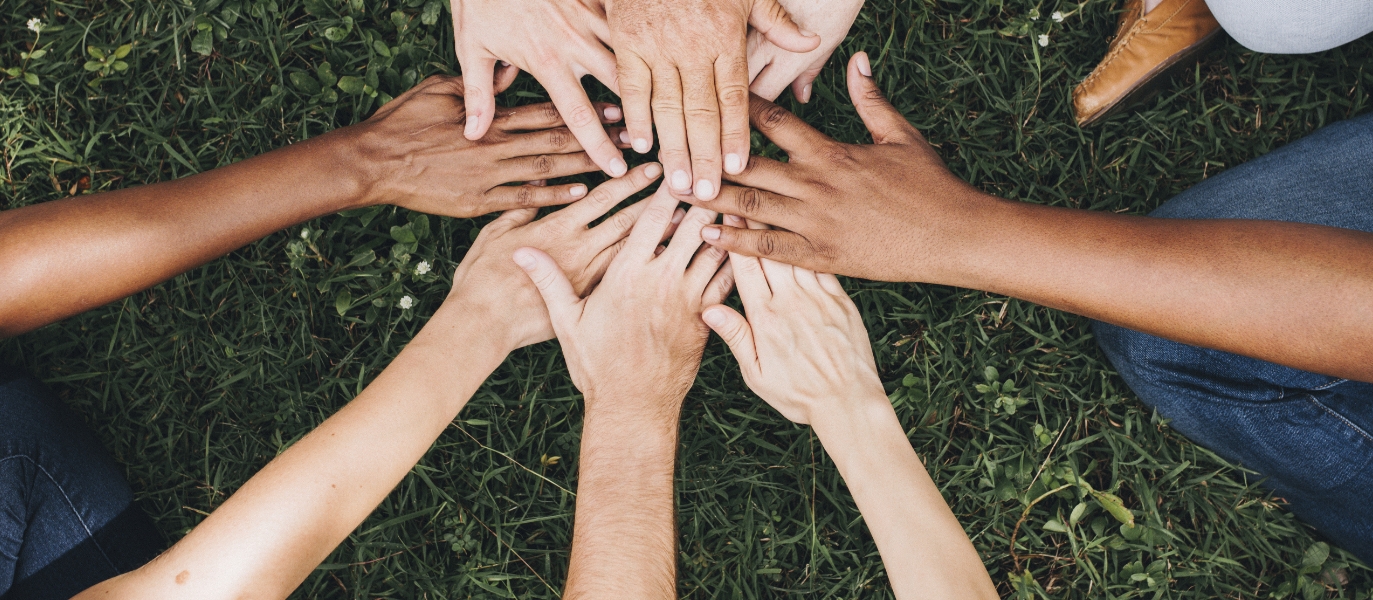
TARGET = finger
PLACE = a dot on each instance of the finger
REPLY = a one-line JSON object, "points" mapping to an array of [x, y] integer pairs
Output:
{"points": [[773, 21], [618, 226], [558, 295], [546, 166], [653, 222], [756, 204], [735, 331], [720, 286], [511, 219], [505, 76], [609, 194], [781, 276], [704, 266], [748, 273], [831, 284], [636, 93], [600, 62], [702, 111], [508, 197], [788, 131], [781, 246], [585, 122], [688, 237], [888, 126], [535, 117], [671, 126], [620, 136], [731, 83], [478, 76], [807, 280], [801, 88]]}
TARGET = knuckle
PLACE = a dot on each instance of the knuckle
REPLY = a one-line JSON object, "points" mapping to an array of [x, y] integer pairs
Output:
{"points": [[549, 113], [582, 116], [838, 153], [622, 221], [666, 107], [770, 243], [559, 138], [702, 112], [734, 96], [771, 117], [525, 196], [543, 164], [751, 201]]}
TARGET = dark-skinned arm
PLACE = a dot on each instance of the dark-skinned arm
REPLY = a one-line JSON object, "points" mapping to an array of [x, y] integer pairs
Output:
{"points": [[61, 258], [1289, 293]]}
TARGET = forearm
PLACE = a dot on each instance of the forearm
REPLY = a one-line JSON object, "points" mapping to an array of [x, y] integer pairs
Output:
{"points": [[624, 537], [266, 538], [924, 548], [60, 258], [1289, 293]]}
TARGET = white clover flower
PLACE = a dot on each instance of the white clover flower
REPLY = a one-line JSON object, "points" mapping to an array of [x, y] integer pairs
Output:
{"points": [[305, 233], [1043, 39], [35, 25], [423, 267], [1057, 17], [406, 302]]}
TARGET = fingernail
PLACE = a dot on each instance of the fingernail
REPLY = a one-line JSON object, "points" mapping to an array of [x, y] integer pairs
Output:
{"points": [[578, 191], [734, 221], [710, 234], [472, 121], [653, 170], [806, 33], [733, 164], [613, 114], [863, 66], [525, 260], [677, 216], [705, 190], [642, 146], [624, 137], [505, 64], [618, 167], [805, 94], [681, 181], [714, 318]]}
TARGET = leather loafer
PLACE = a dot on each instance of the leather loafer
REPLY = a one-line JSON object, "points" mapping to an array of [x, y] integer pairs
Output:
{"points": [[1145, 48]]}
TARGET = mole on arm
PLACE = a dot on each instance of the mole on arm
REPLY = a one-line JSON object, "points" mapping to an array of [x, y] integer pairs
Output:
{"points": [[182, 577]]}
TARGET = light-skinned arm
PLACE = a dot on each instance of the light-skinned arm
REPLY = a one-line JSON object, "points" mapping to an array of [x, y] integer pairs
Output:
{"points": [[804, 350], [633, 347], [267, 538], [67, 256], [1289, 293]]}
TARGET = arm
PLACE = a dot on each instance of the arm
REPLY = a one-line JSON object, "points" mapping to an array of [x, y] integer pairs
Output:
{"points": [[63, 257], [633, 347], [276, 529], [1289, 293], [804, 350]]}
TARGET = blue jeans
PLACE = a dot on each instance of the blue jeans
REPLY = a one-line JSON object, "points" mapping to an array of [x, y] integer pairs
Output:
{"points": [[67, 517], [1309, 435]]}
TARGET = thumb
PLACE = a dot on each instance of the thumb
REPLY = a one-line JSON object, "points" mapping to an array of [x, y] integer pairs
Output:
{"points": [[557, 292], [737, 333], [773, 21], [887, 125], [478, 75]]}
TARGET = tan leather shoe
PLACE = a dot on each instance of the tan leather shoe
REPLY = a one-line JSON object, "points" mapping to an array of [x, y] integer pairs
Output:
{"points": [[1145, 48]]}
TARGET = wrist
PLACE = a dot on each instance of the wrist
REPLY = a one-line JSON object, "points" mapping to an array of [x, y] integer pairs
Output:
{"points": [[959, 249], [359, 160], [850, 428]]}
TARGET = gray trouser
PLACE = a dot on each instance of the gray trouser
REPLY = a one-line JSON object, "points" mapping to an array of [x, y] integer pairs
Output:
{"points": [[1293, 26]]}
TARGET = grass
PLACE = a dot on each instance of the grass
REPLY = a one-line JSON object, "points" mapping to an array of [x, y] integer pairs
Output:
{"points": [[197, 383]]}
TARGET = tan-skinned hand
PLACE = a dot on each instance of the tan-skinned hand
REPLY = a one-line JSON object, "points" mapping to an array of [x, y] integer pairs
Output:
{"points": [[635, 342], [803, 348], [773, 69], [413, 154], [882, 211], [683, 68], [556, 41], [487, 281]]}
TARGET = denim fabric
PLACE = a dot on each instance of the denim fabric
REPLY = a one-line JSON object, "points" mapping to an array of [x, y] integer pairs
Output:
{"points": [[1293, 26], [67, 517], [1310, 435]]}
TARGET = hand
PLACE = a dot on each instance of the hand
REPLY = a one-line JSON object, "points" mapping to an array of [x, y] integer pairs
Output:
{"points": [[890, 211], [556, 41], [412, 154], [772, 69], [636, 340], [488, 283], [803, 348], [683, 67]]}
